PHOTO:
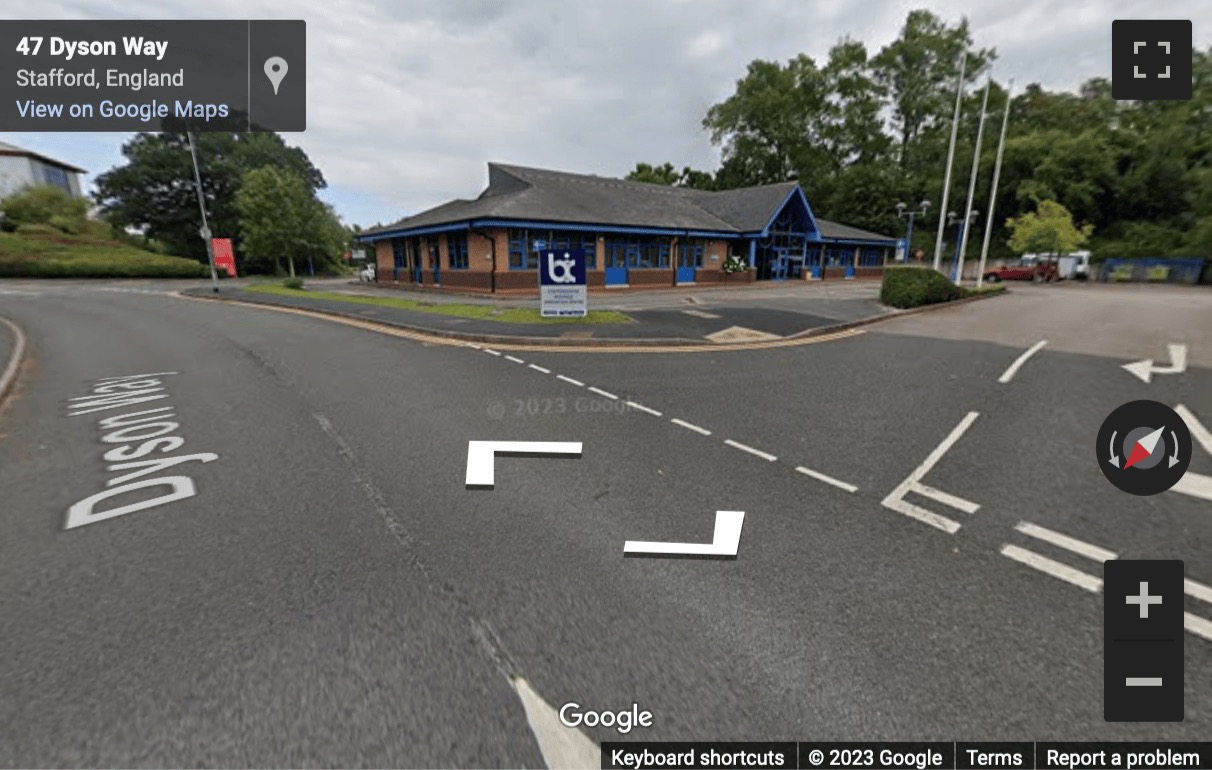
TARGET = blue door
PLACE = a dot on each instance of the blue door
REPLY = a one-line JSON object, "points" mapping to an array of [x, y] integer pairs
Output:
{"points": [[689, 258], [778, 269], [616, 267]]}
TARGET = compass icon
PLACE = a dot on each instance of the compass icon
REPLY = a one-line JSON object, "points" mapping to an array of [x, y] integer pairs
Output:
{"points": [[1143, 447]]}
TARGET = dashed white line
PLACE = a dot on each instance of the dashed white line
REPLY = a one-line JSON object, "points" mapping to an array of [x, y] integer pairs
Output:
{"points": [[1018, 362], [1197, 625], [474, 346], [540, 369], [1053, 568], [750, 450], [643, 408], [1197, 590], [491, 352], [601, 392], [1064, 541], [578, 383], [827, 479], [514, 359], [690, 426]]}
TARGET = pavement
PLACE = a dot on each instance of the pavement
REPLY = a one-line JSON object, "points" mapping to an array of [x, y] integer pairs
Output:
{"points": [[333, 593], [694, 317]]}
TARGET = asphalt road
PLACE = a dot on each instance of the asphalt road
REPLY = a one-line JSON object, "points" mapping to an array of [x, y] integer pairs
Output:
{"points": [[334, 595]]}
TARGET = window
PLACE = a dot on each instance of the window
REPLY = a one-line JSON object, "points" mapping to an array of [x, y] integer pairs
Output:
{"points": [[520, 257], [690, 254], [57, 177], [526, 245], [871, 257], [435, 253], [400, 253], [637, 251], [456, 245]]}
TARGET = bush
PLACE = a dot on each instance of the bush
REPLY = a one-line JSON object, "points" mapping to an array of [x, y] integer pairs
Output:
{"points": [[906, 287], [37, 230], [293, 283], [43, 204]]}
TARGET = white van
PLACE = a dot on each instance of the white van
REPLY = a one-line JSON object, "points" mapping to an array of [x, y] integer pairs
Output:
{"points": [[1075, 266]]}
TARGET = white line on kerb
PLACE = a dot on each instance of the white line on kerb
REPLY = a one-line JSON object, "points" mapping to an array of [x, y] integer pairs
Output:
{"points": [[514, 359], [491, 352], [601, 392], [1092, 552], [690, 426], [643, 408], [1053, 568], [540, 369], [1018, 362], [570, 380], [750, 450], [827, 479]]}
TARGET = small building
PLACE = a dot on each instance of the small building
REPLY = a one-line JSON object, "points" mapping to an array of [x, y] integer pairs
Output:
{"points": [[634, 234], [21, 168]]}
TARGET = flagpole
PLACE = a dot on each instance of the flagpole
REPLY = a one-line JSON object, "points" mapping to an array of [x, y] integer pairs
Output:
{"points": [[942, 210], [997, 173], [976, 164]]}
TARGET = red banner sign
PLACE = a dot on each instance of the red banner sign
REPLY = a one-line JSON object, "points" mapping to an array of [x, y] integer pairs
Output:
{"points": [[225, 258]]}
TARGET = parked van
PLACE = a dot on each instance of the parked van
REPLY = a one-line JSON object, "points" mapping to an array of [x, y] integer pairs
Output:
{"points": [[1075, 266]]}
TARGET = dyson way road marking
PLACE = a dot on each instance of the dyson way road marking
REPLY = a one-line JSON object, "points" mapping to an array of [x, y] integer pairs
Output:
{"points": [[135, 435]]}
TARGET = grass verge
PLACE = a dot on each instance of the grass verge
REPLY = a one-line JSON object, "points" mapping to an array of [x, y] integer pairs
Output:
{"points": [[67, 256], [517, 315]]}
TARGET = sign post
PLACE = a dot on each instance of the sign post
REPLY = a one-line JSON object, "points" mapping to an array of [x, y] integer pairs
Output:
{"points": [[563, 292], [225, 258]]}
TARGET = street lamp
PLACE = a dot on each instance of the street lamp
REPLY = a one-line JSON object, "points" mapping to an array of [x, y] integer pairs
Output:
{"points": [[958, 221], [903, 214]]}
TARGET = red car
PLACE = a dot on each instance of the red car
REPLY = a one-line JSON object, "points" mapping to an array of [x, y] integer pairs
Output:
{"points": [[1022, 272]]}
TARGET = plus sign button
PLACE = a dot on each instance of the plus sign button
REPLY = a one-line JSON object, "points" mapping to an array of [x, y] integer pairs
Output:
{"points": [[1151, 59]]}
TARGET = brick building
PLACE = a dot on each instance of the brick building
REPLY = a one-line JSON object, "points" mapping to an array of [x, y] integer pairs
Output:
{"points": [[633, 234]]}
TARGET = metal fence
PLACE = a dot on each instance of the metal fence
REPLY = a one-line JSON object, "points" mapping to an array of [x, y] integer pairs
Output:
{"points": [[1153, 270]]}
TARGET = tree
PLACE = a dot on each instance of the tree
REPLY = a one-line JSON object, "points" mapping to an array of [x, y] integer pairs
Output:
{"points": [[667, 175], [1047, 230], [154, 191], [280, 217]]}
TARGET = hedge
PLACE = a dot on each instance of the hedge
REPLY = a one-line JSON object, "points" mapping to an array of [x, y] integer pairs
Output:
{"points": [[915, 286]]}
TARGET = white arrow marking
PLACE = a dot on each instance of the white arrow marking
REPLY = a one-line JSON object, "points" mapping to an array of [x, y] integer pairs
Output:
{"points": [[1114, 456], [725, 545], [481, 456], [1192, 483], [1145, 369]]}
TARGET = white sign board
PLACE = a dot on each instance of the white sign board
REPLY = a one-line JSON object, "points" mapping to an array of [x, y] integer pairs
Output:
{"points": [[562, 288]]}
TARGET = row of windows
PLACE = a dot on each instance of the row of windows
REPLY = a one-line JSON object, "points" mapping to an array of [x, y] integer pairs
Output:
{"points": [[841, 257], [525, 246]]}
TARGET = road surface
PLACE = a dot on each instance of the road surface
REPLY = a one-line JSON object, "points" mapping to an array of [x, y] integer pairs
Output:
{"points": [[331, 593]]}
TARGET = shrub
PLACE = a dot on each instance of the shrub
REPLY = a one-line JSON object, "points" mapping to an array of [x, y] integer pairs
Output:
{"points": [[37, 229], [907, 287], [293, 283], [41, 204]]}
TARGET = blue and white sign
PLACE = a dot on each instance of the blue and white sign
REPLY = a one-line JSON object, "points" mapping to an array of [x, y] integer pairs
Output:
{"points": [[902, 250], [562, 286]]}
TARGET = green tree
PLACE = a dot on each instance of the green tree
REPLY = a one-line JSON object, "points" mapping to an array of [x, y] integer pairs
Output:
{"points": [[1047, 230], [280, 218], [154, 191], [668, 175]]}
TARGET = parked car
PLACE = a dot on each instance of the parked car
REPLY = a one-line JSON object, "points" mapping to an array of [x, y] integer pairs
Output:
{"points": [[367, 274], [1019, 271]]}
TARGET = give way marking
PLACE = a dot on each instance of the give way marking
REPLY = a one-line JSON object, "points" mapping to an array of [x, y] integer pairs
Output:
{"points": [[896, 499], [1195, 484]]}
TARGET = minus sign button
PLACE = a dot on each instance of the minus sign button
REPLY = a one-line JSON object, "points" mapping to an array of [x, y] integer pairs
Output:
{"points": [[1143, 681]]}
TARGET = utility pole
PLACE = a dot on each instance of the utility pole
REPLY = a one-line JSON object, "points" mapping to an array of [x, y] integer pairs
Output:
{"points": [[997, 172], [976, 163], [942, 210], [205, 230]]}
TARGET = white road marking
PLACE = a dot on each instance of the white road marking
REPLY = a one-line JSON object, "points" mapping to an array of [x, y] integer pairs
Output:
{"points": [[1092, 552], [1197, 625], [725, 542], [750, 450], [1192, 483], [1054, 568], [481, 456], [700, 313], [601, 392], [474, 346], [1144, 370], [560, 745], [491, 352], [569, 379], [896, 498], [690, 426], [827, 479], [9, 375], [540, 369], [1197, 590], [643, 408], [1018, 362], [514, 359]]}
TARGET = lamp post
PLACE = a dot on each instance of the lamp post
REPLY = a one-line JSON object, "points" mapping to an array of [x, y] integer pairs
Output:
{"points": [[203, 231], [960, 227], [910, 214]]}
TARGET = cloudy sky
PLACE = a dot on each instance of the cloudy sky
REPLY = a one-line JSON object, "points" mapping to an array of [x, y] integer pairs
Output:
{"points": [[407, 100]]}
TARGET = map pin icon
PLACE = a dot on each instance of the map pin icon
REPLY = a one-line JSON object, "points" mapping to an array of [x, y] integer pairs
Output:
{"points": [[275, 70]]}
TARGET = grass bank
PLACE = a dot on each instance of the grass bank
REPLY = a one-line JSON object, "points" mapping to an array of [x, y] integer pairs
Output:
{"points": [[68, 256]]}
